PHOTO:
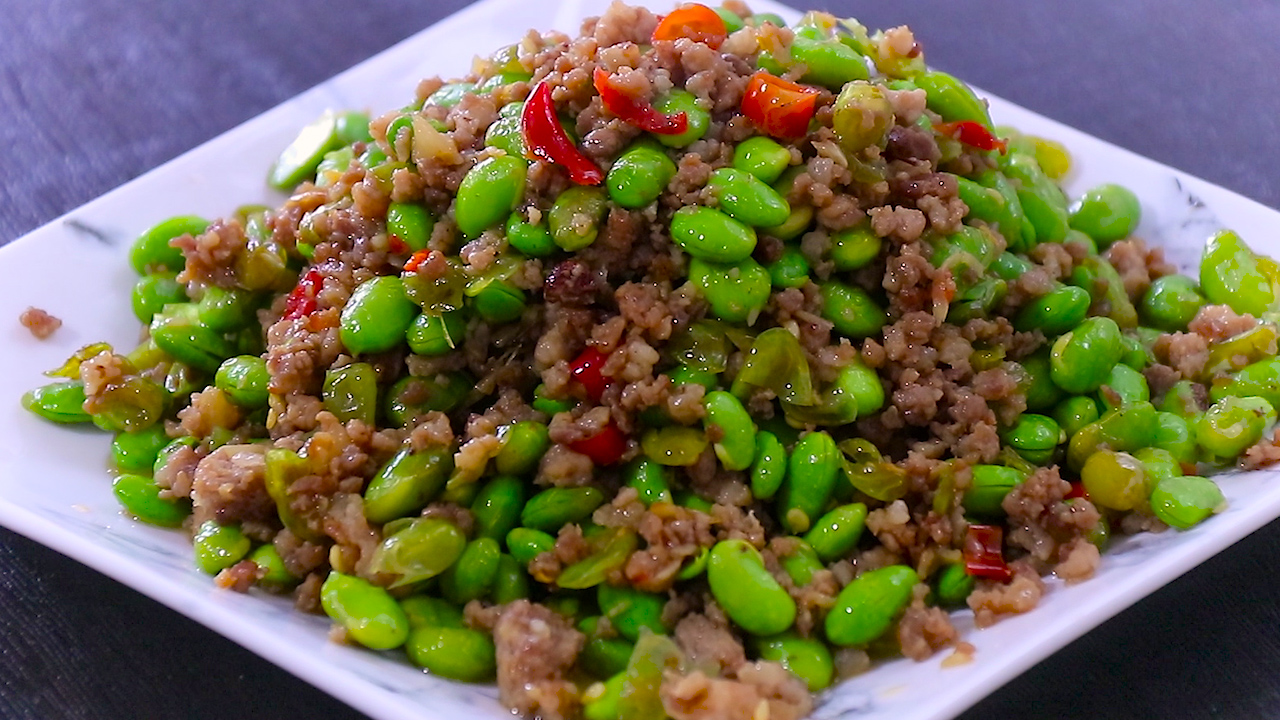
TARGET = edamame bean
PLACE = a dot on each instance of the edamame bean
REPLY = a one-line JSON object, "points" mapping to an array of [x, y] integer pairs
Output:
{"points": [[218, 547], [830, 63], [951, 98], [603, 656], [1126, 428], [678, 101], [505, 134], [954, 585], [1041, 391], [136, 452], [1186, 500], [178, 333], [1012, 222], [511, 583], [488, 193], [1123, 386], [1114, 480], [406, 483], [556, 507], [746, 591], [1174, 435], [417, 550], [224, 311], [523, 445], [835, 534], [1158, 463], [770, 466], [1035, 437], [499, 302], [674, 445], [736, 447], [736, 293], [1106, 213], [630, 610], [811, 476], [1081, 360], [497, 507], [854, 248], [473, 575], [459, 654], [790, 270], [369, 614], [152, 292], [377, 315], [747, 199], [801, 563], [435, 334], [1232, 424], [988, 487], [449, 95], [761, 156], [60, 402], [245, 380], [1042, 201], [427, 611], [525, 544], [852, 310], [806, 658], [411, 222], [576, 215], [1229, 275], [1106, 287], [528, 238], [639, 176], [351, 392], [1261, 379], [411, 397], [649, 479], [710, 235], [140, 497], [137, 403], [612, 550], [151, 251], [299, 160], [1171, 302], [866, 607], [1074, 413], [1055, 312]]}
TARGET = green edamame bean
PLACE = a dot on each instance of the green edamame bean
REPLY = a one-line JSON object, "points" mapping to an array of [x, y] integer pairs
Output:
{"points": [[746, 591], [710, 235], [136, 452], [1018, 232], [954, 585], [747, 199], [603, 656], [473, 575], [245, 380], [1081, 360], [852, 310], [1106, 286], [223, 310], [511, 583], [678, 101], [433, 334], [830, 63], [427, 611], [152, 292], [488, 193], [499, 302], [576, 215], [1123, 386], [503, 79], [1126, 428], [790, 270], [1035, 437], [523, 445], [459, 654], [275, 576], [812, 469], [497, 507], [1174, 435], [528, 238], [835, 534], [737, 293], [411, 222], [1261, 379], [988, 487], [1134, 352], [610, 556], [630, 610], [368, 613], [807, 658], [639, 176], [1230, 275], [984, 203], [406, 483], [505, 134], [1074, 413], [736, 447], [1115, 480], [352, 126], [649, 479], [1042, 201], [449, 95], [674, 445], [377, 315], [1158, 463], [299, 160], [140, 497], [412, 397], [1106, 213], [167, 452], [952, 99], [525, 544], [600, 700], [351, 392], [1186, 500], [151, 251], [1055, 312], [60, 402], [770, 466], [556, 507], [1232, 424], [1171, 302], [177, 332], [801, 562], [761, 156], [1010, 267], [866, 607], [854, 248], [218, 547], [135, 404]]}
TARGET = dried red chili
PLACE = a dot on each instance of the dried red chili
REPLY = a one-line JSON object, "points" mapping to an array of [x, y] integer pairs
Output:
{"points": [[1077, 491], [545, 140], [587, 369], [984, 553], [416, 260], [604, 448], [694, 21], [302, 299], [779, 107], [637, 112], [973, 134]]}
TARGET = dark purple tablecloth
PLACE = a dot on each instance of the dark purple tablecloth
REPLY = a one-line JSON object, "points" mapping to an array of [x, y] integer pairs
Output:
{"points": [[96, 92]]}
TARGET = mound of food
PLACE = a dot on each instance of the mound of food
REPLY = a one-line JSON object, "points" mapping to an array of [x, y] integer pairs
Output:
{"points": [[677, 369]]}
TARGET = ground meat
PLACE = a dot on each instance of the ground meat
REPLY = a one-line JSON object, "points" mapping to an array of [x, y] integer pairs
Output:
{"points": [[991, 600], [1185, 352], [535, 648], [922, 631], [39, 322], [1262, 454], [1080, 560], [761, 690], [709, 643], [228, 486], [1219, 322]]}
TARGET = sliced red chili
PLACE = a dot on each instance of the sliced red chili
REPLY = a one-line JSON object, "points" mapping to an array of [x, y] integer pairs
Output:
{"points": [[1077, 491], [396, 245], [545, 140], [302, 299], [973, 134], [694, 21], [605, 447], [637, 112], [416, 260], [588, 370], [984, 553], [779, 107]]}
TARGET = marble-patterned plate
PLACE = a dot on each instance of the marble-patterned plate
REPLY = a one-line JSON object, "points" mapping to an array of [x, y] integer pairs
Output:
{"points": [[55, 487]]}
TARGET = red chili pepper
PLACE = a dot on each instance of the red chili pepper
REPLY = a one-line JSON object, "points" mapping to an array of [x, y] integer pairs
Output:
{"points": [[779, 107], [636, 112], [545, 140], [416, 260], [696, 22], [973, 134], [605, 447], [302, 299], [396, 245], [587, 369], [984, 553], [1077, 491]]}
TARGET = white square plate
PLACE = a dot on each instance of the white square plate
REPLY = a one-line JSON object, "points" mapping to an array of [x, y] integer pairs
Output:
{"points": [[54, 485]]}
